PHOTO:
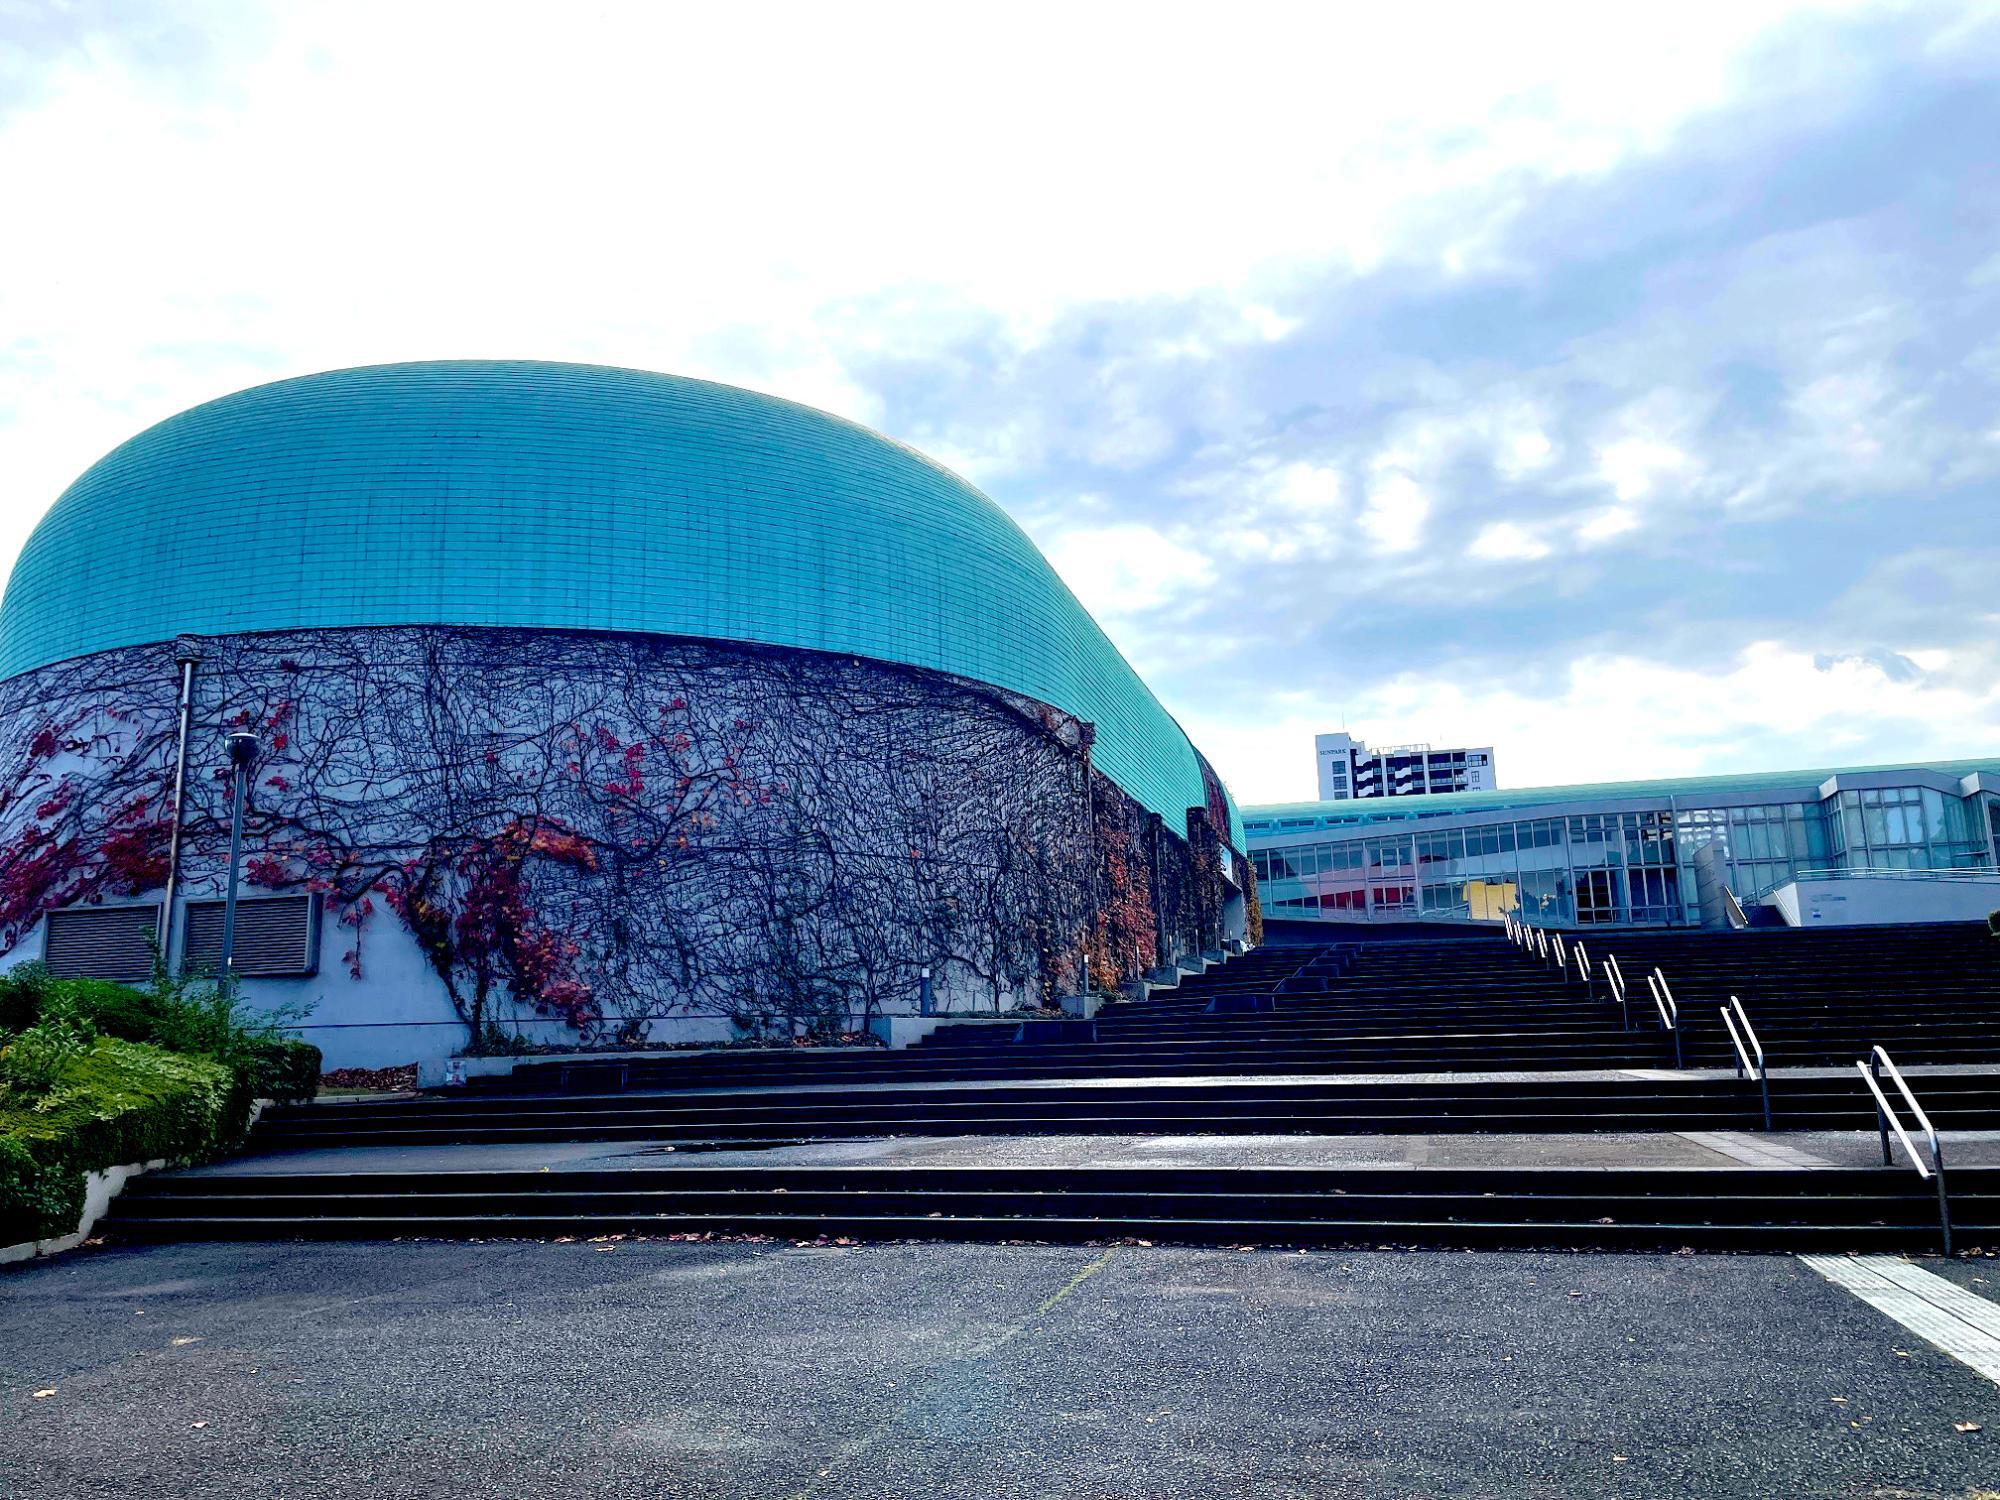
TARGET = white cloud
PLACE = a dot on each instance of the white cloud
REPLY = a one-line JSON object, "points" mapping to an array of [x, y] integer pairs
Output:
{"points": [[1395, 514], [1306, 489], [358, 181], [1524, 453], [1127, 568], [1275, 513], [1604, 525], [1636, 467], [1504, 541], [1268, 325], [1605, 719]]}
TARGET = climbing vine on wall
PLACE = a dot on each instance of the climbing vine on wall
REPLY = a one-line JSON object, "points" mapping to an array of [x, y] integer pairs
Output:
{"points": [[599, 831]]}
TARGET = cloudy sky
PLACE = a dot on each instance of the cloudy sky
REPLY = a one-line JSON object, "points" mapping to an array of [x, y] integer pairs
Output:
{"points": [[1617, 385]]}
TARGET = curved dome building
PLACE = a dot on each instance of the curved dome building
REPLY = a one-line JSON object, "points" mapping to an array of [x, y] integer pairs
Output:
{"points": [[589, 702]]}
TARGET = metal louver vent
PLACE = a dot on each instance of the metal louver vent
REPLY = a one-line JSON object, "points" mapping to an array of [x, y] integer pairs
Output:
{"points": [[276, 936], [102, 942]]}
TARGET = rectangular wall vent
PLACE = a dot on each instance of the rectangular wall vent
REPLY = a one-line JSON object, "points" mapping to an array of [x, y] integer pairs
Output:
{"points": [[276, 936], [102, 942]]}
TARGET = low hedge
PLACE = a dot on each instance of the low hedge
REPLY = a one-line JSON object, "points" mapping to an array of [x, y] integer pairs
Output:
{"points": [[119, 1102], [182, 1019]]}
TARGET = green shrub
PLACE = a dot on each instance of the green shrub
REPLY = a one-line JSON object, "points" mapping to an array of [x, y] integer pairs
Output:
{"points": [[23, 989], [285, 1070], [116, 1102], [120, 1010], [28, 991], [184, 1014], [194, 1014], [36, 1202], [35, 1059]]}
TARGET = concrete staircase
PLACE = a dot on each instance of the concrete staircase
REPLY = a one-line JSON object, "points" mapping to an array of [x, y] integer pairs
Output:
{"points": [[1555, 1208], [1552, 1105], [1377, 1038]]}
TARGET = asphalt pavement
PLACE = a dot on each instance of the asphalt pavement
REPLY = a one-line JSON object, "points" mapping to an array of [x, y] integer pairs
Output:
{"points": [[660, 1369]]}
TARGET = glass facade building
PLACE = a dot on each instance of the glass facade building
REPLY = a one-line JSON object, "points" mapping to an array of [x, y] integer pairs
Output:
{"points": [[1653, 854]]}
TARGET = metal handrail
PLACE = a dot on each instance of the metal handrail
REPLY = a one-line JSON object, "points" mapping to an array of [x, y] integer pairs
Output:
{"points": [[1885, 1118], [1561, 955], [1542, 944], [1745, 1068], [1583, 968], [1670, 1013], [1663, 999], [1615, 977]]}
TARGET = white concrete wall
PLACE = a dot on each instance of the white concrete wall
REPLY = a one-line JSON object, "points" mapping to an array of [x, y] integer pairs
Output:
{"points": [[398, 1012], [1874, 902]]}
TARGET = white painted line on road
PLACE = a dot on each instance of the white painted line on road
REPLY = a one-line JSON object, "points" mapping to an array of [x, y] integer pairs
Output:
{"points": [[1965, 1326]]}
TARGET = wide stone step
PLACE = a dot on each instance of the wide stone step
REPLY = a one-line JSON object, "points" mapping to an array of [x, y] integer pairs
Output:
{"points": [[1852, 1208]]}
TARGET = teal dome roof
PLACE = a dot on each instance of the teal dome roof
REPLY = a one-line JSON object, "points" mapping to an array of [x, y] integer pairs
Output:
{"points": [[570, 497]]}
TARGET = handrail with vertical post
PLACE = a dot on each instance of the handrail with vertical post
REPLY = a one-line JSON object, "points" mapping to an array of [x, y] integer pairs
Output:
{"points": [[1615, 977], [1886, 1118], [1745, 1068], [1583, 968], [1562, 957], [1670, 1013]]}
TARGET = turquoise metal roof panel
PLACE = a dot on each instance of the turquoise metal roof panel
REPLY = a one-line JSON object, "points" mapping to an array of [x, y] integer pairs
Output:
{"points": [[1686, 789], [574, 497]]}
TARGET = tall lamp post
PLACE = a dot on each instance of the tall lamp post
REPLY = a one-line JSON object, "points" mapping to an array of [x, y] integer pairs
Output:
{"points": [[242, 751]]}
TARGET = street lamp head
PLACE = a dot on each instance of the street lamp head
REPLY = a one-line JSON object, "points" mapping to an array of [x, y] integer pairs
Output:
{"points": [[242, 748]]}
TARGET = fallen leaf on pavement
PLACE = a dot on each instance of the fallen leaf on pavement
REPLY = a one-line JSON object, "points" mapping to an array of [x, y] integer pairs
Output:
{"points": [[1966, 1427], [49, 1392]]}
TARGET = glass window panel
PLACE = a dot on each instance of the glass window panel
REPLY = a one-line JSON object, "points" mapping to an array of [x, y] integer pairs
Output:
{"points": [[1934, 824], [1876, 827]]}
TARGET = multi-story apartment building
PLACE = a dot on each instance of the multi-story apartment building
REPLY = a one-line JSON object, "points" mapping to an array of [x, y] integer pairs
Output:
{"points": [[1349, 769]]}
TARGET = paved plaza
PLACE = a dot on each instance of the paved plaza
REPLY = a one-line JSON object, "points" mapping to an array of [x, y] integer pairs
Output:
{"points": [[646, 1368]]}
